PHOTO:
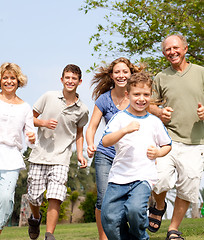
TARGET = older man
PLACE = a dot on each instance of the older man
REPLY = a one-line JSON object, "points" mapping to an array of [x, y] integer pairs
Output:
{"points": [[181, 86]]}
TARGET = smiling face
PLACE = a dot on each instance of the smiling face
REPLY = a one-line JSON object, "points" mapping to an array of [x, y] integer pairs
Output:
{"points": [[9, 82], [174, 50], [70, 81], [121, 72], [139, 96]]}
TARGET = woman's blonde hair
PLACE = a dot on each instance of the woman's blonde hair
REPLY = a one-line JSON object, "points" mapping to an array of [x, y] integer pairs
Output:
{"points": [[102, 79], [12, 67]]}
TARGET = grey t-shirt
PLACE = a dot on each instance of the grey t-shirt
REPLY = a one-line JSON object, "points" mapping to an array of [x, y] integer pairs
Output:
{"points": [[55, 146]]}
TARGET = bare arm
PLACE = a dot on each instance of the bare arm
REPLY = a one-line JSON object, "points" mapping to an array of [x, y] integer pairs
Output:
{"points": [[111, 138], [91, 131], [79, 147], [50, 123], [163, 113], [154, 152]]}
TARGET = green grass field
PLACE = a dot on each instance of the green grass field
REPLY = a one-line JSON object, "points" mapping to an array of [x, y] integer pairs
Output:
{"points": [[193, 229]]}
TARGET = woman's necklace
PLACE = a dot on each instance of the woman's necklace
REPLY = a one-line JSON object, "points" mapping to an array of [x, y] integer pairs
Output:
{"points": [[119, 102], [10, 99]]}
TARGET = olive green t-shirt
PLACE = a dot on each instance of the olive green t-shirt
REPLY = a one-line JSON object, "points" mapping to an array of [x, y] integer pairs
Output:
{"points": [[182, 91]]}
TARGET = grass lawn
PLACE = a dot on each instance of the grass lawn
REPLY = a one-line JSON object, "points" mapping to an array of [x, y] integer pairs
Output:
{"points": [[193, 229]]}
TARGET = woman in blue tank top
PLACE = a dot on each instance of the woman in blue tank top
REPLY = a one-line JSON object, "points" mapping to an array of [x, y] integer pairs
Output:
{"points": [[109, 93]]}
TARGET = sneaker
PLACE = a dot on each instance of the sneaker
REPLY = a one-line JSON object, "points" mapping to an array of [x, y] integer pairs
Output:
{"points": [[49, 236], [34, 227]]}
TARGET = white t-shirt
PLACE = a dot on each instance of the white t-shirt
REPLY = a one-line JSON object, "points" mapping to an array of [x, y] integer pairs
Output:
{"points": [[15, 121], [131, 162]]}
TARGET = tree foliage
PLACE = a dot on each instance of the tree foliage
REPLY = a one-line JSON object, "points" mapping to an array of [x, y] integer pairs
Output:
{"points": [[137, 27], [88, 206], [80, 179]]}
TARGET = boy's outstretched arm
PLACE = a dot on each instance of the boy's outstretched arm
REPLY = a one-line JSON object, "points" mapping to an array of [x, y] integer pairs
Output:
{"points": [[112, 138], [154, 152], [79, 147]]}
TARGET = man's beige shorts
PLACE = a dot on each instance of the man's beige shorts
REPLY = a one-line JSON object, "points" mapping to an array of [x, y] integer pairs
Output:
{"points": [[181, 168]]}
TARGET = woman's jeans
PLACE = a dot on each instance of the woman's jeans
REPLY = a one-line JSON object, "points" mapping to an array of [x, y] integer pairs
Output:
{"points": [[103, 165], [8, 179], [124, 211]]}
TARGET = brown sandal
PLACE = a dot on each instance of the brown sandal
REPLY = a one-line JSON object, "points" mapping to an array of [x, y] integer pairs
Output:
{"points": [[169, 233], [155, 211]]}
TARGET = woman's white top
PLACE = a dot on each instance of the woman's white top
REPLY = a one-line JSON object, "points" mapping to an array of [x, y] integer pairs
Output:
{"points": [[15, 121]]}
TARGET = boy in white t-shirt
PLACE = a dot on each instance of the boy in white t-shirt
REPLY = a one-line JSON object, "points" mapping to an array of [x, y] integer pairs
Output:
{"points": [[139, 138]]}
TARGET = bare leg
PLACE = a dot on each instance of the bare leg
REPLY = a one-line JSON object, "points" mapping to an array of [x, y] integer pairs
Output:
{"points": [[35, 211], [52, 214], [102, 235], [159, 198], [180, 208]]}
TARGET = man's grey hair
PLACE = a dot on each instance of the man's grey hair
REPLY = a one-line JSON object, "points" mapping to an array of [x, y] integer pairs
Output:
{"points": [[183, 39]]}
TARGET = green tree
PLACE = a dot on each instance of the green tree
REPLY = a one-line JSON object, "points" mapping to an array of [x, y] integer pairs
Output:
{"points": [[135, 27], [88, 206], [80, 179]]}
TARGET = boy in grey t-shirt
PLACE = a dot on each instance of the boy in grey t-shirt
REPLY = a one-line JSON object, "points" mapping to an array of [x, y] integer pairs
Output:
{"points": [[63, 117]]}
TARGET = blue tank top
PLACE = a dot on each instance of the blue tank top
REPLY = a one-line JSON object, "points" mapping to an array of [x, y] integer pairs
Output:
{"points": [[108, 109]]}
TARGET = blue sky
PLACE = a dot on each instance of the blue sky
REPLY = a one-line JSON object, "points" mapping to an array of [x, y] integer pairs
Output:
{"points": [[42, 37]]}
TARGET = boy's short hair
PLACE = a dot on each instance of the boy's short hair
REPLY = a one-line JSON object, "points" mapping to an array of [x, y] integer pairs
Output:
{"points": [[139, 77], [14, 68], [72, 68]]}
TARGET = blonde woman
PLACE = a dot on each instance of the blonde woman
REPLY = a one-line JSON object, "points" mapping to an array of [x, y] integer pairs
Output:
{"points": [[15, 118]]}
